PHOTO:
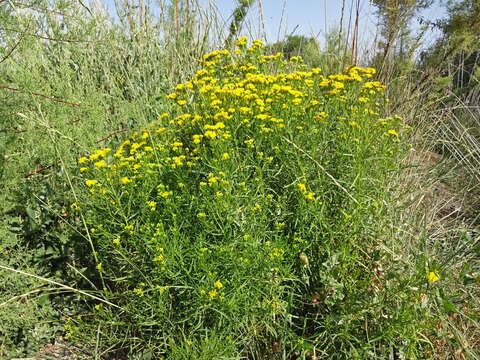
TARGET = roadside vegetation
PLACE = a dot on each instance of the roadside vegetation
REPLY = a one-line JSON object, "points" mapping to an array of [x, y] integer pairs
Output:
{"points": [[176, 190]]}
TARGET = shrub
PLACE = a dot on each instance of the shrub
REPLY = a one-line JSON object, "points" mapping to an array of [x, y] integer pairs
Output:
{"points": [[250, 215]]}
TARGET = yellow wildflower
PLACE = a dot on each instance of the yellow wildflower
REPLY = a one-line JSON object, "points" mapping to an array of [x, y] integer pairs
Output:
{"points": [[310, 196], [125, 180], [152, 205], [241, 42], [211, 134], [393, 133], [91, 183], [165, 194], [138, 291], [302, 187], [297, 101], [432, 277], [100, 164]]}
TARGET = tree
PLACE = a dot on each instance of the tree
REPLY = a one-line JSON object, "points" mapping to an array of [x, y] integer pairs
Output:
{"points": [[238, 16], [394, 19], [298, 45], [463, 21], [457, 52]]}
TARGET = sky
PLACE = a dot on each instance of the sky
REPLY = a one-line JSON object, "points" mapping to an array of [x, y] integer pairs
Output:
{"points": [[305, 17], [310, 17], [298, 17]]}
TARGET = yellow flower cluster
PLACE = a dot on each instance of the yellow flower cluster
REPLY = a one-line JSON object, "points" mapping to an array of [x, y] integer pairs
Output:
{"points": [[213, 293], [236, 106], [309, 195]]}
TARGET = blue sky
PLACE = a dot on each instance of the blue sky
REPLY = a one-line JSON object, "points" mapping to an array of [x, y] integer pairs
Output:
{"points": [[310, 17], [304, 17]]}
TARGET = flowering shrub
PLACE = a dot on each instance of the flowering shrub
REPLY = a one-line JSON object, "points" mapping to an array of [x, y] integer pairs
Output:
{"points": [[250, 209]]}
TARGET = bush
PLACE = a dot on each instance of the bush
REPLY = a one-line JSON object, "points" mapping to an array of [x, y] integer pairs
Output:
{"points": [[248, 219]]}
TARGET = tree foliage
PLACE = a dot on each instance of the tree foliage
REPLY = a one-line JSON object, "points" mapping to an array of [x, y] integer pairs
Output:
{"points": [[457, 52], [298, 45], [463, 22], [238, 16], [394, 20]]}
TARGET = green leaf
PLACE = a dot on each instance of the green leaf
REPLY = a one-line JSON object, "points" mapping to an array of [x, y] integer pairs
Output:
{"points": [[468, 280], [50, 251], [43, 300], [146, 355], [448, 306], [31, 213]]}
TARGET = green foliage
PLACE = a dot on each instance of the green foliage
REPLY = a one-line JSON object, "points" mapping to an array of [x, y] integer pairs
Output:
{"points": [[238, 16], [298, 45], [303, 240], [332, 59], [27, 316], [454, 59], [72, 80], [394, 24], [463, 20], [456, 52], [253, 210]]}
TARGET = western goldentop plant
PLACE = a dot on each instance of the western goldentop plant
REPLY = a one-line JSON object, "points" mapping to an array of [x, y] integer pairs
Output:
{"points": [[250, 212]]}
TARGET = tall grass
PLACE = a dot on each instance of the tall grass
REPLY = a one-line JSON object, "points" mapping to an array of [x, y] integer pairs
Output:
{"points": [[71, 80]]}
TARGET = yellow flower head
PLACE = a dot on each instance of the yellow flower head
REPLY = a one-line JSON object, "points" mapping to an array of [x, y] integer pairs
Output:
{"points": [[393, 133], [432, 277], [125, 180], [100, 164], [91, 183], [212, 294], [302, 187], [241, 42], [165, 194], [152, 205], [138, 291]]}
